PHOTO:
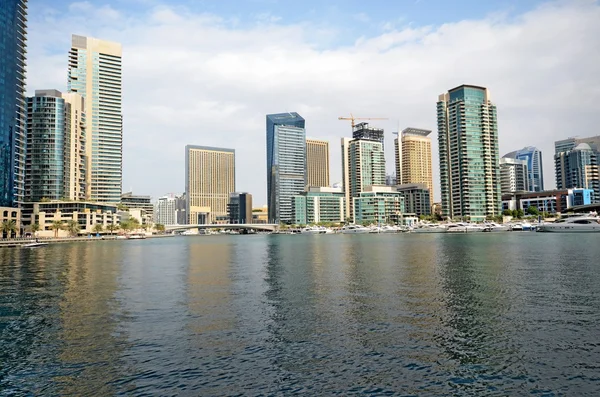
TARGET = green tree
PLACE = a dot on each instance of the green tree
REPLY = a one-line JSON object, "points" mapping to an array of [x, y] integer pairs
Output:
{"points": [[35, 227], [532, 210], [56, 226], [126, 225], [73, 227], [9, 228], [159, 227], [507, 213], [98, 228], [520, 213], [111, 227], [135, 224]]}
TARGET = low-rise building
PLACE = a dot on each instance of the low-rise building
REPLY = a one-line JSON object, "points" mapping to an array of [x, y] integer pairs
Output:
{"points": [[417, 198], [320, 204], [10, 215], [551, 201], [239, 209], [86, 214], [260, 215], [135, 201], [378, 205]]}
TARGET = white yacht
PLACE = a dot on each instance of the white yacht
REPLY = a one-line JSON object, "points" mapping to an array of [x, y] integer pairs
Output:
{"points": [[355, 229], [389, 229], [463, 227], [313, 230], [573, 224], [429, 228], [494, 227]]}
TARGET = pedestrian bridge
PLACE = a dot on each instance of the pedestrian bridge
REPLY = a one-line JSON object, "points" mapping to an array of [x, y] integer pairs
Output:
{"points": [[248, 226]]}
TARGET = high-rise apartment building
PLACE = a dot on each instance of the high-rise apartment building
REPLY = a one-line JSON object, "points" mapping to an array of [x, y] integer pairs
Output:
{"points": [[317, 163], [364, 131], [533, 157], [413, 158], [286, 164], [55, 149], [209, 179], [239, 208], [578, 168], [514, 175], [468, 146], [95, 74], [13, 31], [363, 165], [166, 211], [565, 145]]}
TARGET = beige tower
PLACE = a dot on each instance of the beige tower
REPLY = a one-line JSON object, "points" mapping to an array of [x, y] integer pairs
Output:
{"points": [[76, 164], [95, 74], [209, 179], [413, 158], [346, 174], [317, 162]]}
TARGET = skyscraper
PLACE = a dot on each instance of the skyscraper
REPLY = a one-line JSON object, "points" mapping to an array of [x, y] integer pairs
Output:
{"points": [[514, 175], [166, 211], [364, 131], [55, 155], [413, 158], [95, 74], [286, 164], [468, 146], [13, 31], [317, 163], [363, 165], [209, 178], [533, 158], [578, 168]]}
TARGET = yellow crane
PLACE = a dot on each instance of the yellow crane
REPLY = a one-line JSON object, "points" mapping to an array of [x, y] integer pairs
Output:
{"points": [[360, 118]]}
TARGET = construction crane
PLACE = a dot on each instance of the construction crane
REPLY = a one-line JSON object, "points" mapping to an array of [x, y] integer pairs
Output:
{"points": [[360, 118]]}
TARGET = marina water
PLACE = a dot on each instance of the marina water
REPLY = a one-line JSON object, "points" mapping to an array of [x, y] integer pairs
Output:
{"points": [[430, 314]]}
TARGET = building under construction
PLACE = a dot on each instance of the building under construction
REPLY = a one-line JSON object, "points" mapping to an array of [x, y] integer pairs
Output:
{"points": [[363, 131]]}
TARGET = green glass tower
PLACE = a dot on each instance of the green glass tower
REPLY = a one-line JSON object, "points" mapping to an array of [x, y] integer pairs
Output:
{"points": [[468, 149]]}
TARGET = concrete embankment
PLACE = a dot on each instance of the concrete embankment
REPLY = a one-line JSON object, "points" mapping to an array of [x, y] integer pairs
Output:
{"points": [[17, 242]]}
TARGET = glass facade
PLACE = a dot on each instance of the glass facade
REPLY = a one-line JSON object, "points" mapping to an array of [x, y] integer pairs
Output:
{"points": [[316, 206], [578, 168], [378, 208], [95, 73], [468, 150], [13, 29], [417, 198], [286, 164], [46, 130]]}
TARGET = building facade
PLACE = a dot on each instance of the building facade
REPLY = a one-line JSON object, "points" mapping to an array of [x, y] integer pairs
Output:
{"points": [[364, 131], [317, 162], [551, 201], [166, 212], [181, 208], [578, 168], [136, 201], [468, 150], [55, 147], [239, 208], [378, 205], [413, 158], [533, 157], [417, 198], [209, 179], [11, 215], [13, 45], [320, 204], [286, 164], [514, 175], [95, 73]]}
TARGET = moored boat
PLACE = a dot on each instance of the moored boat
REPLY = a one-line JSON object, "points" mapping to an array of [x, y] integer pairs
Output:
{"points": [[574, 224], [355, 229], [34, 245]]}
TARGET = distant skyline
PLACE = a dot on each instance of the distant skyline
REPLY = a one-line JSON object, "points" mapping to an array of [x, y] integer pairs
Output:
{"points": [[207, 73]]}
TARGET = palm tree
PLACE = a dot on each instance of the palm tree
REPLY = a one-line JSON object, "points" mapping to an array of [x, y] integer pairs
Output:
{"points": [[35, 227], [111, 227], [9, 227], [126, 226], [135, 224], [56, 226], [98, 228], [73, 227]]}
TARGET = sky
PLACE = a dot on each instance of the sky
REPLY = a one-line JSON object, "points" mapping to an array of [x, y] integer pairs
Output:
{"points": [[207, 72]]}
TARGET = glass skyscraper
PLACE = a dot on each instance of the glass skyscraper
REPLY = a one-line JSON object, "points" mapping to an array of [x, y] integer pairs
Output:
{"points": [[286, 164], [95, 73], [468, 150], [533, 157], [578, 168], [13, 30]]}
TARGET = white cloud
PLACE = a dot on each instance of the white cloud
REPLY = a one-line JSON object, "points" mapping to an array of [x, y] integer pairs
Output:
{"points": [[192, 78]]}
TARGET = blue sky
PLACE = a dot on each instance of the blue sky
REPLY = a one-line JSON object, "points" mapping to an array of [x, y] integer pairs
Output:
{"points": [[207, 72]]}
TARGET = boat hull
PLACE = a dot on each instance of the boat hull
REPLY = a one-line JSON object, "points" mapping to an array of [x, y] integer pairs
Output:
{"points": [[566, 228]]}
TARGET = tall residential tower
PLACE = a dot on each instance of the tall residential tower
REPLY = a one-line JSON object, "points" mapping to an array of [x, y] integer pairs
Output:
{"points": [[317, 163], [286, 164], [468, 146], [533, 157], [95, 74], [209, 179], [413, 158], [13, 31]]}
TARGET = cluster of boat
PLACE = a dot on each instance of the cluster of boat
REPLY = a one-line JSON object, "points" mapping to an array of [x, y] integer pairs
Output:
{"points": [[568, 223]]}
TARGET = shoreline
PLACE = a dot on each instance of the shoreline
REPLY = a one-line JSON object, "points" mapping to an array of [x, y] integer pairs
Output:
{"points": [[51, 240]]}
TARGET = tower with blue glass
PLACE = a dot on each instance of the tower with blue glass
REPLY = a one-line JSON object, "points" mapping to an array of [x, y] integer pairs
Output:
{"points": [[533, 157], [468, 150], [286, 164], [13, 30]]}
